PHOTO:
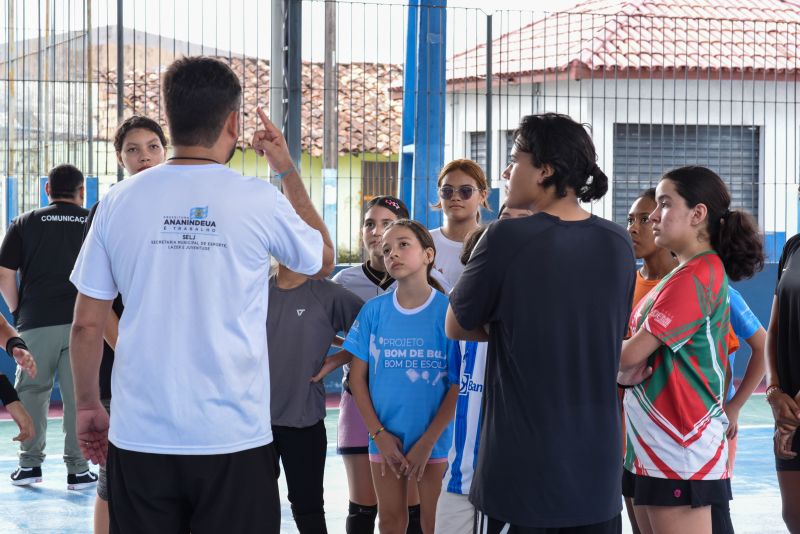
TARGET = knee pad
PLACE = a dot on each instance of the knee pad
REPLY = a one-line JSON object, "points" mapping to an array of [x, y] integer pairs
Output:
{"points": [[310, 523], [361, 519], [414, 521]]}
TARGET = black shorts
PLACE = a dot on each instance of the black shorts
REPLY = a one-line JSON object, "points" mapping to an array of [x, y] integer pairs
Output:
{"points": [[487, 525], [793, 464], [201, 494], [651, 491]]}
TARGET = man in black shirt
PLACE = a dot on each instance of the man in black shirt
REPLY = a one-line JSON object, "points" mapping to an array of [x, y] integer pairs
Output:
{"points": [[554, 291], [43, 245]]}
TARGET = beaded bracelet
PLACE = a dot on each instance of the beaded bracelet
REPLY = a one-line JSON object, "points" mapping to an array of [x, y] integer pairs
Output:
{"points": [[770, 390], [375, 435]]}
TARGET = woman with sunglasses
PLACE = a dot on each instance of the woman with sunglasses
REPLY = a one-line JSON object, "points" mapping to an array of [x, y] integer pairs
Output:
{"points": [[462, 191]]}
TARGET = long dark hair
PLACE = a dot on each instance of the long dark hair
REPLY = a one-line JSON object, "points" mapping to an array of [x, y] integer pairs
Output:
{"points": [[557, 140], [469, 243], [733, 234], [425, 240]]}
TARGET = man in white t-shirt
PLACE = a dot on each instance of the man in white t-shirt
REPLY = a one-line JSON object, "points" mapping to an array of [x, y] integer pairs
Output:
{"points": [[187, 244]]}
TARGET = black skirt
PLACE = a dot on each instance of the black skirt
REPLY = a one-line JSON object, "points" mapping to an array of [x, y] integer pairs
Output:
{"points": [[651, 491]]}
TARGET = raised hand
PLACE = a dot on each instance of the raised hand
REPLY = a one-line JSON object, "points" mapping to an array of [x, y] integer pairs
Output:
{"points": [[268, 141]]}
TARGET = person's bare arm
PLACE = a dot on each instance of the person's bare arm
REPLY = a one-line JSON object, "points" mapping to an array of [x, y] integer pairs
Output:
{"points": [[454, 330], [86, 352], [111, 331], [784, 408], [420, 452], [332, 363], [750, 381], [633, 363], [270, 142], [389, 445], [8, 287]]}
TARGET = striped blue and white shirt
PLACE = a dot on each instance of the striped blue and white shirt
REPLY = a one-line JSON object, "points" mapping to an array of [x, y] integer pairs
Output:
{"points": [[464, 450]]}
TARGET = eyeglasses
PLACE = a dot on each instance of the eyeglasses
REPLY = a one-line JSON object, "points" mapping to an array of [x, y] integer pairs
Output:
{"points": [[464, 192]]}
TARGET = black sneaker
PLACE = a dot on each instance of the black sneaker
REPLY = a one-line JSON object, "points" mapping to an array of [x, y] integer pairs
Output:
{"points": [[26, 475], [81, 480]]}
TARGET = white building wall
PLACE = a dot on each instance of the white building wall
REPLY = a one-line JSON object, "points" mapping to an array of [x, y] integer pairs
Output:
{"points": [[770, 105]]}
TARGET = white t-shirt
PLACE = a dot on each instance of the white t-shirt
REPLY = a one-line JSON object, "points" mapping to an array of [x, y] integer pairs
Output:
{"points": [[189, 247], [448, 257]]}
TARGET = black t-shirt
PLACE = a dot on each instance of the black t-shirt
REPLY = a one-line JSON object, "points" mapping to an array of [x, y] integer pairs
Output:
{"points": [[108, 353], [557, 296], [787, 292], [43, 245]]}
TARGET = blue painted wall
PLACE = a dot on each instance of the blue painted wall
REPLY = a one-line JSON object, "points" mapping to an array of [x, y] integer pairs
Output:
{"points": [[758, 293]]}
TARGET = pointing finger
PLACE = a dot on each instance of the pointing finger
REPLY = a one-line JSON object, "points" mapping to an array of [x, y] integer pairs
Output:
{"points": [[263, 116]]}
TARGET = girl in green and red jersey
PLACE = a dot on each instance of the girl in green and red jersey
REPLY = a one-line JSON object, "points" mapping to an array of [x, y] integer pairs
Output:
{"points": [[676, 463]]}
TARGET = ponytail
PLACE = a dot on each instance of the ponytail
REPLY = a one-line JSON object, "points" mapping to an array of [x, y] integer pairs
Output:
{"points": [[738, 244], [565, 146], [433, 283], [733, 234]]}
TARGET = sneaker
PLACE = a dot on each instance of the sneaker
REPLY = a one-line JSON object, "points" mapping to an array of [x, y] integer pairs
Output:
{"points": [[26, 475], [81, 480]]}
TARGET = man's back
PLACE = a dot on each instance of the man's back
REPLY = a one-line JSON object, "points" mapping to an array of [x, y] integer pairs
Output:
{"points": [[557, 296], [188, 248], [43, 244]]}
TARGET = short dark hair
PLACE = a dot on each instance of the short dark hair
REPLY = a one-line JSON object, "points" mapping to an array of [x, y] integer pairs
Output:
{"points": [[733, 234], [64, 181], [199, 94], [649, 193], [557, 140], [137, 122]]}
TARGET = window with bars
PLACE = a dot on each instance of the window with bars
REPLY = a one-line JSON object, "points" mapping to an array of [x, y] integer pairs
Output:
{"points": [[644, 152], [477, 148], [378, 178], [509, 145]]}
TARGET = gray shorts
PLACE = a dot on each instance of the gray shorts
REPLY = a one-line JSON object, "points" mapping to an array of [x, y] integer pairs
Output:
{"points": [[102, 482]]}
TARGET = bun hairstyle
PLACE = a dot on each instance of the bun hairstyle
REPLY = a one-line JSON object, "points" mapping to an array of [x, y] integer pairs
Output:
{"points": [[393, 204], [733, 234], [469, 243], [471, 169], [558, 141], [425, 239]]}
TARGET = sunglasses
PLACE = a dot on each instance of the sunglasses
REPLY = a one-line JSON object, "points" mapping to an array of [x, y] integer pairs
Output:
{"points": [[464, 192]]}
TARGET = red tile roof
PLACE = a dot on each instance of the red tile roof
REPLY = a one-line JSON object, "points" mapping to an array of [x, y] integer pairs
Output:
{"points": [[758, 37], [370, 115]]}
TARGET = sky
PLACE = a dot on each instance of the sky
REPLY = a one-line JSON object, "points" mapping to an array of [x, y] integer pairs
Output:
{"points": [[369, 30]]}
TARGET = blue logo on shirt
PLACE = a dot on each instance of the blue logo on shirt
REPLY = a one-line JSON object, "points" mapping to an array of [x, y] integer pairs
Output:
{"points": [[198, 213], [469, 386]]}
